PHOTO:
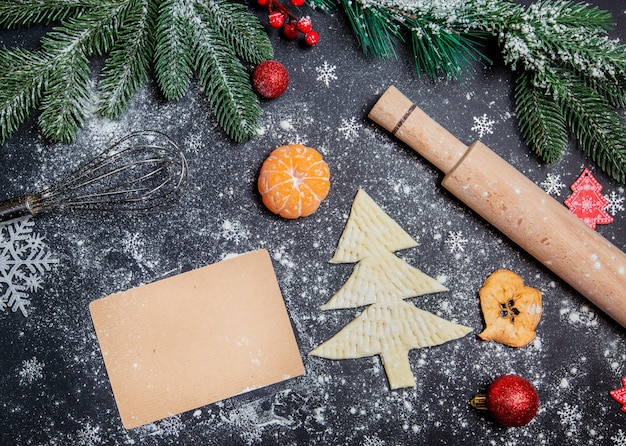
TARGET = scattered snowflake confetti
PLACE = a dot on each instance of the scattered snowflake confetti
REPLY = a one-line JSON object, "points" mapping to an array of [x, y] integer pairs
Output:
{"points": [[373, 441], [171, 426], [401, 186], [89, 435], [616, 203], [326, 73], [194, 142], [23, 263], [456, 242], [31, 371], [553, 184], [483, 125], [585, 316], [350, 128]]}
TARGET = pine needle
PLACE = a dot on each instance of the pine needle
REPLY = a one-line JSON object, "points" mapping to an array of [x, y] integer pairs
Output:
{"points": [[126, 69], [241, 30], [598, 128], [226, 83], [66, 97], [18, 13], [174, 53], [22, 76], [541, 119], [375, 29]]}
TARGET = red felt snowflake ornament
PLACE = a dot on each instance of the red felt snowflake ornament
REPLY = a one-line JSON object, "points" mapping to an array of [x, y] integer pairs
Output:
{"points": [[587, 201], [619, 395]]}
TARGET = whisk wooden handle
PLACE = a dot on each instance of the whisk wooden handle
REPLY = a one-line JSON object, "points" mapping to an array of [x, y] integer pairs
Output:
{"points": [[15, 208], [515, 205]]}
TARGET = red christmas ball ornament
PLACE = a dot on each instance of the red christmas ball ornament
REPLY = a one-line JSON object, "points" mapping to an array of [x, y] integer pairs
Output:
{"points": [[296, 3], [270, 79], [510, 400]]}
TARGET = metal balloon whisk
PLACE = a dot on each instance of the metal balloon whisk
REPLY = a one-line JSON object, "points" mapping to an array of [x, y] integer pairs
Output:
{"points": [[139, 172]]}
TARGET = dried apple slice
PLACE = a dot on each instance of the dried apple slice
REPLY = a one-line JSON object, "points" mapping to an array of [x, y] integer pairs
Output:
{"points": [[511, 309]]}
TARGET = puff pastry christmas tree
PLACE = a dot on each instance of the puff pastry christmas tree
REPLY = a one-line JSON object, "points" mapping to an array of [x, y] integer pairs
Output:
{"points": [[389, 326]]}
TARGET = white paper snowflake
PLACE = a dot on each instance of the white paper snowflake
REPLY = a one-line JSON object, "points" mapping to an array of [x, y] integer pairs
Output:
{"points": [[553, 184], [350, 128], [619, 439], [24, 260], [326, 73], [456, 242], [616, 203], [234, 231], [483, 125], [31, 371], [570, 418]]}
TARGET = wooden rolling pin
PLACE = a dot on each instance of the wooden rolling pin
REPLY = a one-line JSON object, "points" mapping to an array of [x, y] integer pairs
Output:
{"points": [[508, 200]]}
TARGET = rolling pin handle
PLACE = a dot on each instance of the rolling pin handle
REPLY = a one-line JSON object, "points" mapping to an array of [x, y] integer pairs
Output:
{"points": [[397, 114]]}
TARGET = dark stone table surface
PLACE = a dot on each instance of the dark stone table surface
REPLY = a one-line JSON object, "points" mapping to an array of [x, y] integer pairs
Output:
{"points": [[54, 389]]}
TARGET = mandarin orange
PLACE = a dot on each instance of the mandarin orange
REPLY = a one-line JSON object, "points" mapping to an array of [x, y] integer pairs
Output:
{"points": [[293, 181]]}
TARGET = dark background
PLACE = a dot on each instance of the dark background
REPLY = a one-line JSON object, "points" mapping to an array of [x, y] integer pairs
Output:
{"points": [[578, 357]]}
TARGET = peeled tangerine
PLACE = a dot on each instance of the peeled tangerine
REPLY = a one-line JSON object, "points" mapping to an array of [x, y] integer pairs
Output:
{"points": [[293, 181], [511, 309]]}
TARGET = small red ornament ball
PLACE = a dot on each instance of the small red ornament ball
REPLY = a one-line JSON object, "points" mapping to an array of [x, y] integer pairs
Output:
{"points": [[270, 79], [290, 31], [304, 24], [311, 38], [276, 19], [512, 401]]}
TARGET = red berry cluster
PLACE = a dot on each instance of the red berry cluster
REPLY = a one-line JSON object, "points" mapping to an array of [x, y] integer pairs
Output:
{"points": [[279, 16]]}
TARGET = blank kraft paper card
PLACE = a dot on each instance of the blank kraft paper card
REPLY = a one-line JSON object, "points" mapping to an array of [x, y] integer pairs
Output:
{"points": [[196, 338]]}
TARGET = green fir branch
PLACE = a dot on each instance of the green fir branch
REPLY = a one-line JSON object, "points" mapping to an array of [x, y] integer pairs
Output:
{"points": [[441, 47], [21, 13], [541, 120], [376, 29], [573, 15], [174, 50], [226, 83], [66, 97], [598, 128], [240, 29], [554, 34], [137, 36], [322, 5], [22, 77], [440, 51], [93, 32], [614, 92], [127, 67]]}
